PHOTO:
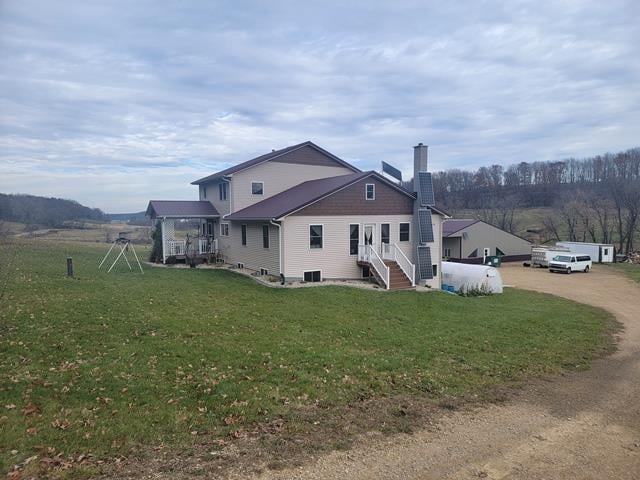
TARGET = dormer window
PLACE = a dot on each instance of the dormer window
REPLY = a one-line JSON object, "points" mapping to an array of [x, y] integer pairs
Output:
{"points": [[370, 191], [257, 188]]}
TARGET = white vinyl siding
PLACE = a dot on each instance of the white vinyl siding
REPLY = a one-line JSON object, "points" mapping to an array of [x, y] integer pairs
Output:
{"points": [[334, 259], [253, 254], [276, 177]]}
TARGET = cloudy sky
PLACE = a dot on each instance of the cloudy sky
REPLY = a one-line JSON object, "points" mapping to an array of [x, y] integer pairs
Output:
{"points": [[113, 103]]}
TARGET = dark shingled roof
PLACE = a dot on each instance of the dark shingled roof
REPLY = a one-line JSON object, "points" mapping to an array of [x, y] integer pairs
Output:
{"points": [[181, 209], [269, 156], [453, 225], [301, 195]]}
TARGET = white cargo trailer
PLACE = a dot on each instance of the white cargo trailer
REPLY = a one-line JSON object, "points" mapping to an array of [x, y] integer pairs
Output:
{"points": [[599, 252], [541, 256]]}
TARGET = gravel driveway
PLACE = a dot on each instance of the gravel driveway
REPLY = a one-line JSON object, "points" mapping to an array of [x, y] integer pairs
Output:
{"points": [[584, 425]]}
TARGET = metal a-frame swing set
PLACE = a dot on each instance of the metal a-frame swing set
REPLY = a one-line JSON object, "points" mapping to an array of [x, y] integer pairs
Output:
{"points": [[124, 243]]}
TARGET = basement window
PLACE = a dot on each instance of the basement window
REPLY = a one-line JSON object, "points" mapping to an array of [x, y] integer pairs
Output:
{"points": [[435, 270], [474, 254], [264, 271], [499, 252], [313, 276]]}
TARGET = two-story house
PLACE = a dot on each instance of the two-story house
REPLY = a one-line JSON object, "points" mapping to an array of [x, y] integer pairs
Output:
{"points": [[303, 214]]}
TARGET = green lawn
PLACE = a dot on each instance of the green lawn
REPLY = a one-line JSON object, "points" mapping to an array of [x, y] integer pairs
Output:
{"points": [[631, 270], [114, 362]]}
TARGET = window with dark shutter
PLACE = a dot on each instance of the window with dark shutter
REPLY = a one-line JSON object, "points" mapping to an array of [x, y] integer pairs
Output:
{"points": [[385, 233], [404, 232], [354, 238]]}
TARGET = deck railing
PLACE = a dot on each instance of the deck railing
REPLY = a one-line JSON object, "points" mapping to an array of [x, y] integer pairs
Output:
{"points": [[176, 247], [207, 246], [368, 254], [391, 251]]}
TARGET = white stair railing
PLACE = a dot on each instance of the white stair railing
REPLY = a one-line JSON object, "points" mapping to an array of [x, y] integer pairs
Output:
{"points": [[407, 267], [368, 254], [391, 251]]}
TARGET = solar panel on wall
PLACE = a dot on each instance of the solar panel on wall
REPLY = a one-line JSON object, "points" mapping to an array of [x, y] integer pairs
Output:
{"points": [[426, 189], [426, 227], [425, 267]]}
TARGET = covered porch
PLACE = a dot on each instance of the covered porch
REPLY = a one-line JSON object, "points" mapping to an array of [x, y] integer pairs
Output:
{"points": [[187, 229]]}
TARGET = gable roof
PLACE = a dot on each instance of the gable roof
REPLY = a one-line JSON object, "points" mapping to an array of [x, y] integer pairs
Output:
{"points": [[306, 193], [181, 209], [453, 225], [270, 156]]}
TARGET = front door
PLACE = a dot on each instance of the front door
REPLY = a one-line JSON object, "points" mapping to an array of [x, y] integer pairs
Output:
{"points": [[369, 235]]}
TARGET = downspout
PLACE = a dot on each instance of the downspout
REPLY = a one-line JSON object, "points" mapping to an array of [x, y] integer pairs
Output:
{"points": [[276, 224]]}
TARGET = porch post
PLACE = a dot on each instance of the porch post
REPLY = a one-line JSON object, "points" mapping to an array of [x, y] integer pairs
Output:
{"points": [[164, 256]]}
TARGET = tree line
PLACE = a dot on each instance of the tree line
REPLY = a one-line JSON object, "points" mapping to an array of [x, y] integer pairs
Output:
{"points": [[594, 199], [50, 212]]}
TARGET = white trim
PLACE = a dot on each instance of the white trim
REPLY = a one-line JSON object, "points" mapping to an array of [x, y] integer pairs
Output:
{"points": [[389, 225], [280, 259], [221, 232], [311, 271], [246, 232], [359, 236], [374, 233], [309, 234], [366, 191], [251, 188], [399, 231]]}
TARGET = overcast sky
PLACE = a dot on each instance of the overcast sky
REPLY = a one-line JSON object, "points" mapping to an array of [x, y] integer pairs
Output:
{"points": [[115, 103]]}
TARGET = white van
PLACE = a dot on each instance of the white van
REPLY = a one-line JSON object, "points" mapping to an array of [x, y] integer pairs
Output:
{"points": [[570, 263]]}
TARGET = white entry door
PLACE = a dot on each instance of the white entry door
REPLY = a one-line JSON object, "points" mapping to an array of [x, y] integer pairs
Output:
{"points": [[370, 235]]}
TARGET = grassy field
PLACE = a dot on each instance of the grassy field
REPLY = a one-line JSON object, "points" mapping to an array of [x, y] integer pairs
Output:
{"points": [[125, 364]]}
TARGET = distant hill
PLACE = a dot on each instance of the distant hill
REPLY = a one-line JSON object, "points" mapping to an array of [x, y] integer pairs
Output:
{"points": [[136, 218], [50, 212]]}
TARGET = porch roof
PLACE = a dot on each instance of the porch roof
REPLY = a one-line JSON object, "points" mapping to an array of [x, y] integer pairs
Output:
{"points": [[181, 209]]}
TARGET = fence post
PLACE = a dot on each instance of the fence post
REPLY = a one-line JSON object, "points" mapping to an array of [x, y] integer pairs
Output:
{"points": [[69, 267]]}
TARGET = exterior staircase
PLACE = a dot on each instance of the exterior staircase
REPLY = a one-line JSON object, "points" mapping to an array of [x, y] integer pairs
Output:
{"points": [[392, 271], [397, 278]]}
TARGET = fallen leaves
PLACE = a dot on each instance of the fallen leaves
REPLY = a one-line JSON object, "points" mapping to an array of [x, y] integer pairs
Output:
{"points": [[30, 409]]}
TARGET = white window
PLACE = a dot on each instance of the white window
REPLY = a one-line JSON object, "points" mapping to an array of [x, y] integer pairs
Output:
{"points": [[370, 191], [447, 252], [315, 236], [224, 229], [222, 190], [405, 231], [312, 276], [257, 188], [354, 238]]}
